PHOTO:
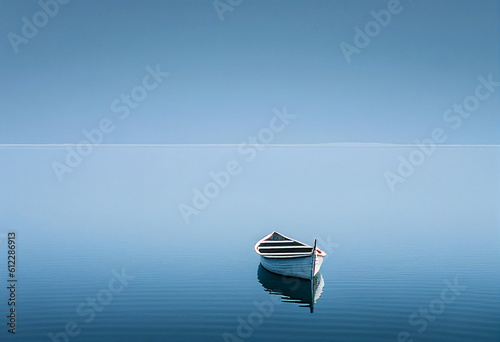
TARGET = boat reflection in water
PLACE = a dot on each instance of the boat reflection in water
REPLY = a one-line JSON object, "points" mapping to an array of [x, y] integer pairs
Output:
{"points": [[292, 290]]}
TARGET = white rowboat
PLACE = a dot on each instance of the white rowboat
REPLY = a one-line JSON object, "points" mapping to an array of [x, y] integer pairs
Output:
{"points": [[283, 255]]}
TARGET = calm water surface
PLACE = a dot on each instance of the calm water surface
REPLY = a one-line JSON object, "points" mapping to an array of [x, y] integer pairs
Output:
{"points": [[418, 263]]}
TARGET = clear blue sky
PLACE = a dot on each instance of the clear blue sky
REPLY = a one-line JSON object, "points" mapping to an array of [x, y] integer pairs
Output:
{"points": [[227, 76]]}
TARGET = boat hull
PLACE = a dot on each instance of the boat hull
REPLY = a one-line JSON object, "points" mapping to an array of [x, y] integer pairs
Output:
{"points": [[293, 267]]}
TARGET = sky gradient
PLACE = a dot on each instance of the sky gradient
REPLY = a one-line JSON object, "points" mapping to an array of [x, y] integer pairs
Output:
{"points": [[226, 76]]}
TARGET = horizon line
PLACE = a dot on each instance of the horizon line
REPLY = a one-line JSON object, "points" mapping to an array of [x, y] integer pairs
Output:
{"points": [[337, 144]]}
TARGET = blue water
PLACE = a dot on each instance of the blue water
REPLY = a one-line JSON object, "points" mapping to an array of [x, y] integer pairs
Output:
{"points": [[391, 254]]}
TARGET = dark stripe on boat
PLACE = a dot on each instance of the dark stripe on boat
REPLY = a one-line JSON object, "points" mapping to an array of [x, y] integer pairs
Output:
{"points": [[284, 244], [286, 250]]}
